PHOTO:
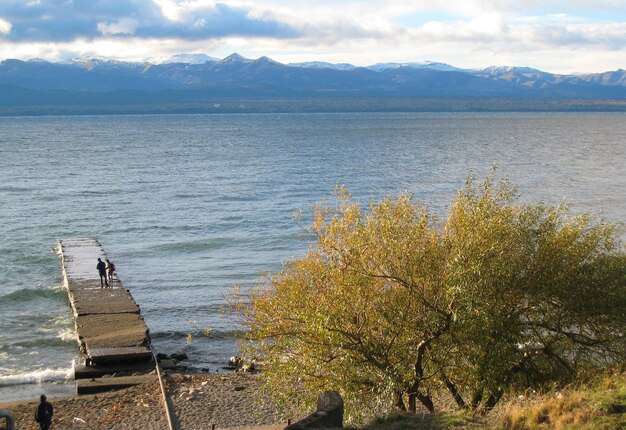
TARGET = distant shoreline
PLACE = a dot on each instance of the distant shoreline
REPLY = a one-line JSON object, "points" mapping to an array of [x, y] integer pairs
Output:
{"points": [[357, 105]]}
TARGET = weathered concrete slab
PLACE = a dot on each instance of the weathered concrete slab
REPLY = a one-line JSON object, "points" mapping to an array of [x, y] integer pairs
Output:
{"points": [[116, 355], [102, 294], [100, 385], [92, 284], [102, 301], [97, 371], [79, 258], [112, 330], [108, 321]]}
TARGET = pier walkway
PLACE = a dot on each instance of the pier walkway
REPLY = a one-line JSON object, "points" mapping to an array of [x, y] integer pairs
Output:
{"points": [[112, 335]]}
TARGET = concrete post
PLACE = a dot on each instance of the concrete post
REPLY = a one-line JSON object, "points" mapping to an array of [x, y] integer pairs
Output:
{"points": [[329, 414], [331, 403], [10, 422]]}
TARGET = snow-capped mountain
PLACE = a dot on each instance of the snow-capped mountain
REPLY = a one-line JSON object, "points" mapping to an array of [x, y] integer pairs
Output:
{"points": [[236, 59], [199, 78], [323, 65], [185, 59], [431, 65]]}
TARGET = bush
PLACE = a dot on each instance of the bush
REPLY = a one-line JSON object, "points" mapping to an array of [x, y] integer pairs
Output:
{"points": [[392, 305]]}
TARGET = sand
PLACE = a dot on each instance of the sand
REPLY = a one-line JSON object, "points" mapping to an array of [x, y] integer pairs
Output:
{"points": [[225, 400]]}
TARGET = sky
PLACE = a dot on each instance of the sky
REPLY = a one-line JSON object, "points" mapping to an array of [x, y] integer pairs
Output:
{"points": [[558, 36]]}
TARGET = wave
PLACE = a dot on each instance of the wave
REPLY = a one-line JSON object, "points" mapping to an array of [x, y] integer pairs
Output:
{"points": [[14, 189], [239, 198], [61, 340], [197, 333], [90, 193], [197, 245], [37, 376], [28, 294], [191, 308], [188, 196], [67, 334], [151, 228]]}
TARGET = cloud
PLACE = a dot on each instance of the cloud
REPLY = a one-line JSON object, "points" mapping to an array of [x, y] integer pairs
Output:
{"points": [[481, 28], [331, 22], [496, 32], [217, 21], [61, 20], [610, 35], [5, 26], [123, 26], [466, 33], [321, 22], [469, 8]]}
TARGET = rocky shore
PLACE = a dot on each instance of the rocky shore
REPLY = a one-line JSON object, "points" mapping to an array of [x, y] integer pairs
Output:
{"points": [[199, 400]]}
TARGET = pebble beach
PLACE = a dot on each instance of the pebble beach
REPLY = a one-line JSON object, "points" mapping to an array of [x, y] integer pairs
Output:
{"points": [[226, 400]]}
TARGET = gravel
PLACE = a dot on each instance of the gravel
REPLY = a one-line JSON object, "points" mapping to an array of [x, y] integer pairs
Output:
{"points": [[224, 400]]}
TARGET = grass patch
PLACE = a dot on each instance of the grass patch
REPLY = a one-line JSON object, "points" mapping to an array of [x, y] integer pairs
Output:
{"points": [[597, 403], [594, 402], [398, 421]]}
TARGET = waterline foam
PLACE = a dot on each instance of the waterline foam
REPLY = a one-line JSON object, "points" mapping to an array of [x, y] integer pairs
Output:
{"points": [[38, 376]]}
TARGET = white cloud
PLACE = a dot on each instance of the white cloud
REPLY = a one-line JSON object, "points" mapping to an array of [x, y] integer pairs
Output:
{"points": [[482, 27], [5, 26], [172, 10], [123, 26], [608, 34], [468, 33]]}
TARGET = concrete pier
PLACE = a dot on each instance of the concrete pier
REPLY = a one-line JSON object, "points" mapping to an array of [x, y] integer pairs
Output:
{"points": [[112, 334]]}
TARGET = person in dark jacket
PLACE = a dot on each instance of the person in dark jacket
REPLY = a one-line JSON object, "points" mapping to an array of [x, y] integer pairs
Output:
{"points": [[102, 270], [44, 413]]}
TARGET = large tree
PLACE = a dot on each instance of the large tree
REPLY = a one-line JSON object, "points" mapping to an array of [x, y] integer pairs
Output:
{"points": [[392, 306]]}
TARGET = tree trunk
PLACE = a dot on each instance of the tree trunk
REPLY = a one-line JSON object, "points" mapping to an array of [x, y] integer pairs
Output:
{"points": [[477, 398], [412, 403], [492, 400], [427, 401], [400, 401], [455, 393]]}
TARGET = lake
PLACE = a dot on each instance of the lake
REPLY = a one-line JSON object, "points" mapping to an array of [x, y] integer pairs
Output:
{"points": [[189, 206]]}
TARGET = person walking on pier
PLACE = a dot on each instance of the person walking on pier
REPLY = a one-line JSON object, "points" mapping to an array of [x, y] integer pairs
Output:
{"points": [[44, 412], [110, 269], [102, 270]]}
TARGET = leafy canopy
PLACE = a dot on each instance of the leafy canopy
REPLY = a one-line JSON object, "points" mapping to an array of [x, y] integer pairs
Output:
{"points": [[391, 306]]}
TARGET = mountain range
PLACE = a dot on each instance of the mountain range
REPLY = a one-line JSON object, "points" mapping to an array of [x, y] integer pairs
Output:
{"points": [[197, 80]]}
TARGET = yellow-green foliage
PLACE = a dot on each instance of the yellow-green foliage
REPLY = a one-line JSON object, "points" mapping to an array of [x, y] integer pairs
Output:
{"points": [[391, 304]]}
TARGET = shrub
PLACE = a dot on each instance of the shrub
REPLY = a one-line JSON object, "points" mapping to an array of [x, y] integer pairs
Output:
{"points": [[391, 305]]}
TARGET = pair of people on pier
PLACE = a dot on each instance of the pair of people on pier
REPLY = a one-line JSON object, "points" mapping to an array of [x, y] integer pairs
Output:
{"points": [[106, 271]]}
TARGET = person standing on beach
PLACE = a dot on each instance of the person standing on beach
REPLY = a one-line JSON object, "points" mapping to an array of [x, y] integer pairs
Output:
{"points": [[110, 269], [102, 270], [44, 412]]}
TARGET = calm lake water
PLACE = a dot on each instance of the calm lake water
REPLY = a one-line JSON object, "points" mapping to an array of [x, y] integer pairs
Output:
{"points": [[189, 206]]}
